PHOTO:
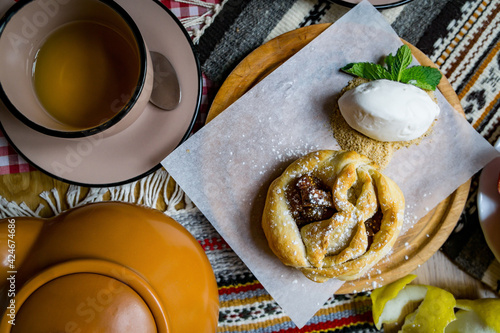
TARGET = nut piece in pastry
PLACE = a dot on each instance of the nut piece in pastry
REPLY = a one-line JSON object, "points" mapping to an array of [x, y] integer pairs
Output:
{"points": [[332, 214]]}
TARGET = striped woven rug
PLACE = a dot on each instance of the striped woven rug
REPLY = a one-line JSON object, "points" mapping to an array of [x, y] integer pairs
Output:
{"points": [[460, 36]]}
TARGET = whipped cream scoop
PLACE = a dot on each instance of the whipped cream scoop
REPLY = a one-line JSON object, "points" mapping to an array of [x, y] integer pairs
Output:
{"points": [[387, 110]]}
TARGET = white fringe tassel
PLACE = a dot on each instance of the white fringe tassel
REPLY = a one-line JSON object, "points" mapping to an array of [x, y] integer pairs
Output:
{"points": [[150, 188], [196, 25]]}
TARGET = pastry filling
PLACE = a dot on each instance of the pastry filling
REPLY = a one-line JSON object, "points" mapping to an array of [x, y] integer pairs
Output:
{"points": [[372, 226], [310, 200]]}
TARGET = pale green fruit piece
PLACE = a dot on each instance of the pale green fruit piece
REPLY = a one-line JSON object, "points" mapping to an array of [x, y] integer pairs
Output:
{"points": [[479, 316], [388, 304], [394, 308], [468, 322], [434, 313]]}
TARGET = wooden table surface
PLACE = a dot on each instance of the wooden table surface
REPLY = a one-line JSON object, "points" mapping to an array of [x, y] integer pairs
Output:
{"points": [[440, 272]]}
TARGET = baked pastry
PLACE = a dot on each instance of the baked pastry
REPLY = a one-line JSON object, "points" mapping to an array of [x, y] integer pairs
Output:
{"points": [[332, 214]]}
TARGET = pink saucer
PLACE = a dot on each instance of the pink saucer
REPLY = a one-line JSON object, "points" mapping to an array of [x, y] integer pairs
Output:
{"points": [[109, 160]]}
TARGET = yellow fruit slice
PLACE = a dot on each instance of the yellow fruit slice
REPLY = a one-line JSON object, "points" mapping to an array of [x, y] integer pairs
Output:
{"points": [[479, 316], [434, 313], [387, 304]]}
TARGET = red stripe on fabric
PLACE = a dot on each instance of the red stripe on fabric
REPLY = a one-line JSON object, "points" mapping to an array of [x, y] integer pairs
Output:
{"points": [[13, 159], [11, 151], [14, 168], [212, 244], [336, 324], [240, 289], [15, 164], [24, 167]]}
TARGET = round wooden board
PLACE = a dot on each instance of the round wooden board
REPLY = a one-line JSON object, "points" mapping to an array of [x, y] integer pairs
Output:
{"points": [[428, 234]]}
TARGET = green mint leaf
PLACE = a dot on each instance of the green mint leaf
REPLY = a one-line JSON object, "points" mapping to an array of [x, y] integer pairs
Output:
{"points": [[398, 63], [422, 76], [367, 70], [397, 70], [389, 61]]}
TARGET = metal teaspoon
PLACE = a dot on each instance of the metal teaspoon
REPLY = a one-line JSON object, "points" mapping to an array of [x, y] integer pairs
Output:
{"points": [[166, 92]]}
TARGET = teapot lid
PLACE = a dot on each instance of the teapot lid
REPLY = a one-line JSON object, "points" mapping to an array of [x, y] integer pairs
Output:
{"points": [[84, 302]]}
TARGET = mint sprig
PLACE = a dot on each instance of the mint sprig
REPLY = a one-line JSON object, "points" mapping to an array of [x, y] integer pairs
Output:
{"points": [[367, 70], [397, 69]]}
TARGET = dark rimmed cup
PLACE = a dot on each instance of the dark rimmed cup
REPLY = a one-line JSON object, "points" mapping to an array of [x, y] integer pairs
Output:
{"points": [[24, 29]]}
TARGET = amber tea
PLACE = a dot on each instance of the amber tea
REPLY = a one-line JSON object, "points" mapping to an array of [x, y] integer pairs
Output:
{"points": [[85, 72]]}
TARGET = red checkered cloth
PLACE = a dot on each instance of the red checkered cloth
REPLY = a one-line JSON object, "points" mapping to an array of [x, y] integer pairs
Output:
{"points": [[11, 162]]}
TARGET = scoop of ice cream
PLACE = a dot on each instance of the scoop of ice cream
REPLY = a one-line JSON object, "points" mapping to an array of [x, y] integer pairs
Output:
{"points": [[387, 110]]}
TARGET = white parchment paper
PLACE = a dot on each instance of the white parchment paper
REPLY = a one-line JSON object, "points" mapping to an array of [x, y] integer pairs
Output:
{"points": [[227, 166]]}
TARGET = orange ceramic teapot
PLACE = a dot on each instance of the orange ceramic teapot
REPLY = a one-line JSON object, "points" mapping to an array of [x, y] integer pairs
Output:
{"points": [[104, 267]]}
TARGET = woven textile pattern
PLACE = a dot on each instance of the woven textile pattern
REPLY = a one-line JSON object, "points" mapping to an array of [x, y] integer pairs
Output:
{"points": [[468, 55]]}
